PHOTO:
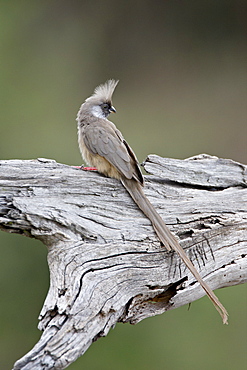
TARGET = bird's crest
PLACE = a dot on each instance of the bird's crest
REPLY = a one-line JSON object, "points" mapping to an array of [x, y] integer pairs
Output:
{"points": [[104, 92]]}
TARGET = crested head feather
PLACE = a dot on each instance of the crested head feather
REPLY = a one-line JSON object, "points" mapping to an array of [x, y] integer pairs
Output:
{"points": [[103, 93]]}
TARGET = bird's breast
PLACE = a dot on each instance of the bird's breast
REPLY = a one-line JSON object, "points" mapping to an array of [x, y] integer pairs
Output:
{"points": [[96, 160]]}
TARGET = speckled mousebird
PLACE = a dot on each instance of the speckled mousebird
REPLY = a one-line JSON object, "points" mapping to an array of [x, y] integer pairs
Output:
{"points": [[103, 146]]}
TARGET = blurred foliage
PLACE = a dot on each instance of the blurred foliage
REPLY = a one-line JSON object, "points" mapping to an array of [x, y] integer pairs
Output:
{"points": [[182, 91]]}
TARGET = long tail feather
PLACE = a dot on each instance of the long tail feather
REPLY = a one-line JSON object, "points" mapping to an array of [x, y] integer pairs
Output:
{"points": [[168, 239]]}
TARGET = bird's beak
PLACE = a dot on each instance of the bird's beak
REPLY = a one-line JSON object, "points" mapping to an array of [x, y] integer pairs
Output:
{"points": [[112, 109]]}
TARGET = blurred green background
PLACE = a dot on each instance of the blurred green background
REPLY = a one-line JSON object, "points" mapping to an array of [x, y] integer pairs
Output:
{"points": [[182, 91]]}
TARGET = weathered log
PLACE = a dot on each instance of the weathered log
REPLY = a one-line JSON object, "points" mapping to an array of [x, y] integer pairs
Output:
{"points": [[106, 263]]}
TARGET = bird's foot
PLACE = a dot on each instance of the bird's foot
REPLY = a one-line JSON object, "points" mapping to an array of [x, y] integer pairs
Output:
{"points": [[85, 168]]}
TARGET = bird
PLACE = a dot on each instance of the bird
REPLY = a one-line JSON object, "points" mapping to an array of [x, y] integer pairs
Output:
{"points": [[103, 147]]}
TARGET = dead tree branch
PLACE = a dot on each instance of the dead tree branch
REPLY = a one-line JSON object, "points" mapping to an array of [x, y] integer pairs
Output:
{"points": [[106, 263]]}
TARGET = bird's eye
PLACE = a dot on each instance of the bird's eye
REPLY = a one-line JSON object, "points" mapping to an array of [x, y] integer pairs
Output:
{"points": [[105, 106]]}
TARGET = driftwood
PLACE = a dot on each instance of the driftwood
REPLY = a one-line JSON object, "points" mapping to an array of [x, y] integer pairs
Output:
{"points": [[106, 263]]}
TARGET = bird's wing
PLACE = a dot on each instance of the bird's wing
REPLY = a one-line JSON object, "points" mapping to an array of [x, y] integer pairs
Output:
{"points": [[109, 143]]}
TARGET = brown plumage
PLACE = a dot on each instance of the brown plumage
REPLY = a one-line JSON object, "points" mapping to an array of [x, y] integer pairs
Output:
{"points": [[103, 146]]}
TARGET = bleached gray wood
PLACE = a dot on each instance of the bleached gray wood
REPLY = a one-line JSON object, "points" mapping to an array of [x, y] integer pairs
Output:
{"points": [[202, 170], [106, 264]]}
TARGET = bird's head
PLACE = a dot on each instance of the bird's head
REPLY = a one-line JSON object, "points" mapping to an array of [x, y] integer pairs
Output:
{"points": [[100, 103]]}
